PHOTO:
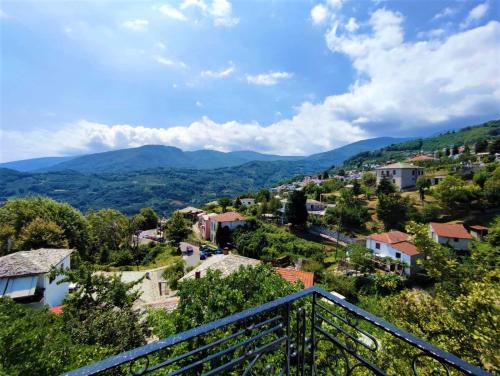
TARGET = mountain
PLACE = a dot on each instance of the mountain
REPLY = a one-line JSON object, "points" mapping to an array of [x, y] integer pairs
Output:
{"points": [[159, 156], [35, 163]]}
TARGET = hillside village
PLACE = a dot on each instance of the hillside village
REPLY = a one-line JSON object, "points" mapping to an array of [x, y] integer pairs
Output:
{"points": [[383, 230]]}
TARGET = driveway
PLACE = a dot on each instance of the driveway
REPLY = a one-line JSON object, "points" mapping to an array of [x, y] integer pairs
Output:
{"points": [[194, 258]]}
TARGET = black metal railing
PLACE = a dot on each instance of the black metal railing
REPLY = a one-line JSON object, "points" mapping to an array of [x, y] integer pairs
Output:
{"points": [[310, 332]]}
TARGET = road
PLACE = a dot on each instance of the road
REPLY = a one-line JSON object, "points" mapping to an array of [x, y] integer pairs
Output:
{"points": [[194, 258]]}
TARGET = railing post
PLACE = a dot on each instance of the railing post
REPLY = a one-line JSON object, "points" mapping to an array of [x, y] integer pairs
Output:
{"points": [[286, 316], [313, 335]]}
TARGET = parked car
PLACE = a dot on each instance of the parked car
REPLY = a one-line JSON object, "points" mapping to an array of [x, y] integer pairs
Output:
{"points": [[203, 256], [189, 250], [218, 251]]}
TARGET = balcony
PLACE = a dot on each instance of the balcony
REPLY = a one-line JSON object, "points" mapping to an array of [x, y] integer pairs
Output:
{"points": [[310, 332]]}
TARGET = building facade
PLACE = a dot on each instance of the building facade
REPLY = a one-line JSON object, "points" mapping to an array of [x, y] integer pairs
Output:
{"points": [[402, 175], [453, 235], [231, 220]]}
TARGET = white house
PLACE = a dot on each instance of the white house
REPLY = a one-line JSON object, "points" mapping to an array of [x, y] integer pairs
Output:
{"points": [[314, 205], [394, 244], [402, 175], [454, 235], [247, 201], [24, 276], [231, 220]]}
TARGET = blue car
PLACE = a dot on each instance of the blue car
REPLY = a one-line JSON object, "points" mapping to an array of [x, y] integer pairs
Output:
{"points": [[203, 256], [218, 251]]}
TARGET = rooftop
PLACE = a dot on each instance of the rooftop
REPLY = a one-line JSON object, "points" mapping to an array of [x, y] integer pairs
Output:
{"points": [[398, 165], [390, 237], [227, 264], [190, 210], [229, 217], [419, 158], [292, 275], [406, 247], [450, 230], [32, 262]]}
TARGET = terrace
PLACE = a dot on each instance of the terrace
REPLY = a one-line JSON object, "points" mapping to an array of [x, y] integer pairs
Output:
{"points": [[310, 332]]}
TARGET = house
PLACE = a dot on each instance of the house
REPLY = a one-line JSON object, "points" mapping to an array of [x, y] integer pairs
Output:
{"points": [[190, 212], [314, 205], [226, 264], [454, 235], [247, 201], [478, 232], [395, 244], [435, 180], [231, 220], [24, 276], [293, 275], [402, 175], [204, 225]]}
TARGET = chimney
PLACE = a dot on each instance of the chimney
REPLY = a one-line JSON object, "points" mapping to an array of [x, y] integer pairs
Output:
{"points": [[197, 275]]}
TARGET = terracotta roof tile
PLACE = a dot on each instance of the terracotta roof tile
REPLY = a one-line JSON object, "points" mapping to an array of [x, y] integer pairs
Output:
{"points": [[418, 158], [292, 275], [390, 237], [406, 247], [478, 228], [229, 217], [450, 230]]}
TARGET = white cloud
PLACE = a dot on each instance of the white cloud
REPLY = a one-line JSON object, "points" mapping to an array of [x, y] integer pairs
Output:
{"points": [[172, 12], [352, 25], [199, 104], [476, 14], [161, 45], [431, 34], [334, 3], [136, 25], [271, 78], [446, 12], [168, 62], [319, 14], [219, 74], [220, 11]]}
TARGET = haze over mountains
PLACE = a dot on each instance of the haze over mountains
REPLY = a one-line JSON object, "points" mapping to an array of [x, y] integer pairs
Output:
{"points": [[160, 156]]}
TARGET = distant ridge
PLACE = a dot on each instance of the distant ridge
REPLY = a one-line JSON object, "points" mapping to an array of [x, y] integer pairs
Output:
{"points": [[159, 156]]}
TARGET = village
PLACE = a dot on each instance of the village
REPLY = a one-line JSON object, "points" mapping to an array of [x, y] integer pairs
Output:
{"points": [[309, 209]]}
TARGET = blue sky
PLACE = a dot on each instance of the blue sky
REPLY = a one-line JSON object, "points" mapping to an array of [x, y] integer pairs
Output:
{"points": [[285, 77]]}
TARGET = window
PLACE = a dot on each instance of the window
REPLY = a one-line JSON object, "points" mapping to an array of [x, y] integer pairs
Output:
{"points": [[455, 240], [163, 288], [398, 255], [413, 172], [394, 172], [377, 245]]}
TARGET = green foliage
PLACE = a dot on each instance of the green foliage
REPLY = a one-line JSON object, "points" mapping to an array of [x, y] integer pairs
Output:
{"points": [[268, 242], [430, 213], [100, 312], [37, 221], [109, 230], [34, 342], [349, 213], [360, 258], [146, 219], [422, 185], [480, 177], [393, 210], [452, 193], [173, 273], [224, 202], [177, 228], [264, 194], [385, 187], [222, 235], [369, 179], [296, 211], [492, 187]]}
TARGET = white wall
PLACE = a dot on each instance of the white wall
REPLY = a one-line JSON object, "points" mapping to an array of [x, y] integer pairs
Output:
{"points": [[232, 226], [455, 243], [54, 294], [387, 251]]}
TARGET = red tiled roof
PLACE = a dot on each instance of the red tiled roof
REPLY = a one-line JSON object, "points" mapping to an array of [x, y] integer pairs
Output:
{"points": [[406, 247], [57, 310], [292, 275], [390, 237], [229, 217], [478, 228], [450, 230], [422, 158]]}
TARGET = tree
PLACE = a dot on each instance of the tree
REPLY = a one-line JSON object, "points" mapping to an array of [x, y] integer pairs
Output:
{"points": [[146, 219], [481, 146], [100, 312], [177, 228], [369, 179], [224, 202], [296, 211], [356, 188], [385, 186], [237, 203], [361, 258], [447, 152], [480, 177], [492, 187], [422, 184], [18, 213], [453, 193], [222, 235], [393, 210], [109, 231], [349, 213], [494, 146], [274, 205], [41, 233], [173, 273], [325, 175], [264, 194], [455, 149]]}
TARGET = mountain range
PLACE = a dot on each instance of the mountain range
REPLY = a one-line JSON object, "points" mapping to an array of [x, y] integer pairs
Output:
{"points": [[160, 156]]}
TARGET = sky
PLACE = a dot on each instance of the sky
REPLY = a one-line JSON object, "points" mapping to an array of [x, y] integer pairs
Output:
{"points": [[281, 77]]}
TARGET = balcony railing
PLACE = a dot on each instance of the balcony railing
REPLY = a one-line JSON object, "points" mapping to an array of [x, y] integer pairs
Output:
{"points": [[310, 332]]}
